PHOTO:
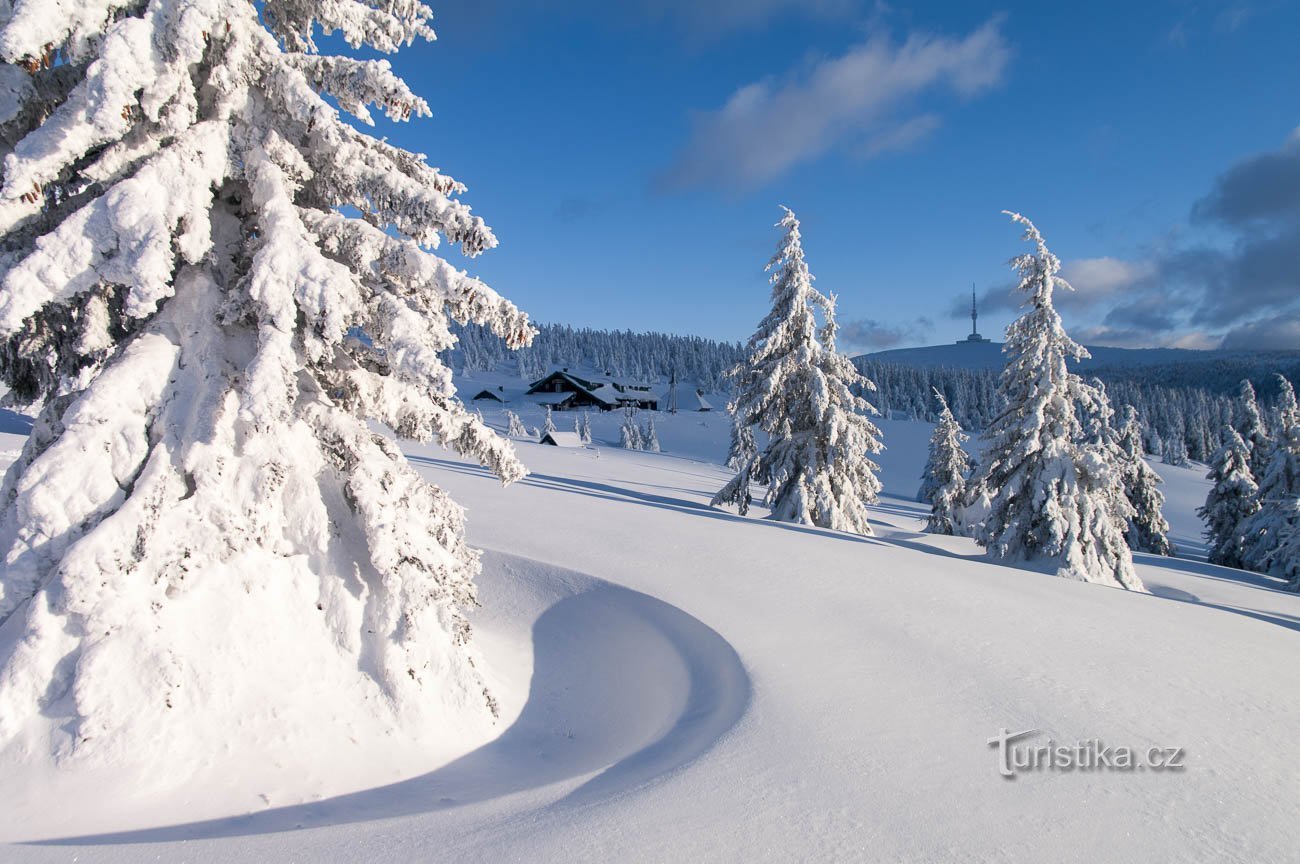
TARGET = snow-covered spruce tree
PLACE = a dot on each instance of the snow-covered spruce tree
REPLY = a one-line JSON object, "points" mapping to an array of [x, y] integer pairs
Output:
{"points": [[1250, 426], [584, 428], [650, 437], [943, 483], [630, 432], [1051, 491], [177, 279], [514, 426], [1148, 531], [1174, 451], [798, 389], [1233, 498], [1264, 533], [743, 449], [1287, 557], [549, 425]]}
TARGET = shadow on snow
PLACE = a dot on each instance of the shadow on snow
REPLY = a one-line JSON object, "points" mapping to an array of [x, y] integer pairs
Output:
{"points": [[600, 703]]}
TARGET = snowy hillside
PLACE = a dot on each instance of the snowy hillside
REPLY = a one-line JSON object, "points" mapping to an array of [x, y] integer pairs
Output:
{"points": [[679, 683]]}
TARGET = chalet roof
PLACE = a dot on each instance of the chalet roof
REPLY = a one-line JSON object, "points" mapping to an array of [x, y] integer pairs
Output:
{"points": [[553, 399], [607, 391], [562, 439], [705, 404]]}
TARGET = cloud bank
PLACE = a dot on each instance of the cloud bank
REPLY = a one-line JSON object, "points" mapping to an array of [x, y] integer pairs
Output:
{"points": [[1241, 293]]}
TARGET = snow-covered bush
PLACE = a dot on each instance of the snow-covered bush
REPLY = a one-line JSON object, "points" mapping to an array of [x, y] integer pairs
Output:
{"points": [[515, 426], [649, 437], [630, 433], [582, 425], [1055, 497], [548, 426], [798, 389], [178, 279]]}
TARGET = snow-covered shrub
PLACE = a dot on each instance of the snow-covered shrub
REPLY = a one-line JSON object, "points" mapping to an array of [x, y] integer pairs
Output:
{"points": [[630, 433], [515, 426], [649, 437]]}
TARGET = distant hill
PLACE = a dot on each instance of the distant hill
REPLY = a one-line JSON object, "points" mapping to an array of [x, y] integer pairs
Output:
{"points": [[1217, 371], [988, 355]]}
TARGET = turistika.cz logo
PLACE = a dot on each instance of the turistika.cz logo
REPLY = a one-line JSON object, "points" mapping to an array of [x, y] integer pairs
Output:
{"points": [[1089, 755]]}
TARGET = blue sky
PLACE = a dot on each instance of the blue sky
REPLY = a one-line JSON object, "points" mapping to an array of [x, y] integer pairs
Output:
{"points": [[631, 157]]}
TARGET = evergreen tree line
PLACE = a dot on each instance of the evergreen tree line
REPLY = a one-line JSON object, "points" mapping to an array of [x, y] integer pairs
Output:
{"points": [[1178, 422], [647, 357], [1252, 512]]}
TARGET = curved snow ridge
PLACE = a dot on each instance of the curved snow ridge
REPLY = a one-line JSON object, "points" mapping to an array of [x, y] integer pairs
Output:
{"points": [[625, 689]]}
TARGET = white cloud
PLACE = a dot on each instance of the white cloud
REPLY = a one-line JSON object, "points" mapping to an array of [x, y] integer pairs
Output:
{"points": [[768, 126], [1097, 279], [902, 136]]}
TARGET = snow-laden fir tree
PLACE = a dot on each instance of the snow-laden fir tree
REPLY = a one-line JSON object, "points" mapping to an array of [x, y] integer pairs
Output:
{"points": [[1174, 451], [742, 449], [1264, 534], [1052, 493], [1233, 498], [1250, 426], [514, 426], [943, 483], [630, 432], [795, 386], [1287, 558], [650, 437], [178, 276], [549, 425], [584, 428], [1148, 531], [1101, 437]]}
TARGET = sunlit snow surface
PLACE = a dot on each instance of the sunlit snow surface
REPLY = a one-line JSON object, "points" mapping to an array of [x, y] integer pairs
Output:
{"points": [[682, 684]]}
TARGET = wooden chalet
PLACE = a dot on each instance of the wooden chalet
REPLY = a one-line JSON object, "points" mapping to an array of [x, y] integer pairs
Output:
{"points": [[564, 391]]}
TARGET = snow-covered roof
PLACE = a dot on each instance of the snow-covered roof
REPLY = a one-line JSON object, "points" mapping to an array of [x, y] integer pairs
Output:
{"points": [[605, 392], [562, 439], [705, 404], [553, 399]]}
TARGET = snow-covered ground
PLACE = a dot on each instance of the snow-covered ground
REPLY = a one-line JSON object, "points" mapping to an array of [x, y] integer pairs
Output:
{"points": [[682, 684]]}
